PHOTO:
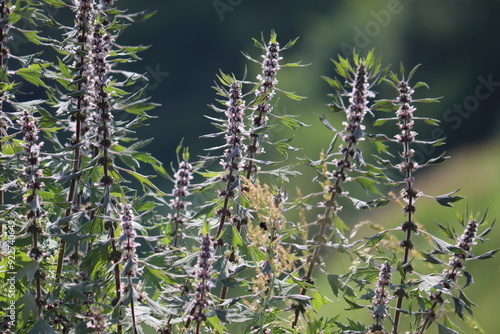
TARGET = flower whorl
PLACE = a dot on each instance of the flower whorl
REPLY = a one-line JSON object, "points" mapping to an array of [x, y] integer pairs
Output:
{"points": [[203, 274], [32, 148], [465, 243], [129, 256], [102, 116], [358, 107], [381, 299], [234, 138], [5, 11], [85, 14], [182, 180], [270, 66], [235, 128]]}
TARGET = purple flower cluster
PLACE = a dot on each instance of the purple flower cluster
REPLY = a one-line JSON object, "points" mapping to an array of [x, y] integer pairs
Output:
{"points": [[358, 107], [181, 190], [182, 179], [100, 43], [203, 274], [5, 11], [381, 299], [465, 243], [235, 128], [32, 147], [32, 174], [234, 138], [129, 256], [85, 15], [268, 81]]}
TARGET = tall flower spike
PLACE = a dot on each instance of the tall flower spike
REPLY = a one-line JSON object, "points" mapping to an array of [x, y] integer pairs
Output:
{"points": [[406, 137], [182, 180], [232, 155], [5, 122], [84, 14], [32, 174], [356, 111], [381, 299], [102, 115], [129, 245], [268, 81], [203, 273], [455, 266]]}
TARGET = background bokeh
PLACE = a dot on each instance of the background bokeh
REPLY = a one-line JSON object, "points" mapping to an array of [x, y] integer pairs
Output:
{"points": [[455, 41]]}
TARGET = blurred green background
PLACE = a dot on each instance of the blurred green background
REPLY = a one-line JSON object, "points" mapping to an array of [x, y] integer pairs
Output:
{"points": [[456, 41]]}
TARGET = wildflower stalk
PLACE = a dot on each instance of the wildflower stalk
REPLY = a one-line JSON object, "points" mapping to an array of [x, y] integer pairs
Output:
{"points": [[84, 18], [450, 275], [203, 273], [381, 299], [270, 66], [4, 52], [267, 80], [406, 137], [353, 128], [101, 41], [129, 256], [234, 113], [32, 174], [182, 178]]}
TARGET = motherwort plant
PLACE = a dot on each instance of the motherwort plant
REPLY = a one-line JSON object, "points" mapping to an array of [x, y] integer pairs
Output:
{"points": [[89, 244]]}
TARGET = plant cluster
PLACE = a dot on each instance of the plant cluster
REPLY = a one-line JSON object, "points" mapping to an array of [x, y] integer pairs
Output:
{"points": [[92, 245]]}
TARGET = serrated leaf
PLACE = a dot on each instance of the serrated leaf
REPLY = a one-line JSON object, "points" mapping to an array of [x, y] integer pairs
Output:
{"points": [[291, 122], [334, 83], [353, 305], [338, 283]]}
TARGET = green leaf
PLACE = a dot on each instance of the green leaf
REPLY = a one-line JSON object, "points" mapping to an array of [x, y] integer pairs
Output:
{"points": [[318, 300], [56, 3], [32, 76], [338, 283], [215, 322], [293, 96], [487, 255], [291, 122], [31, 35], [368, 184], [447, 199], [445, 330], [42, 327], [353, 305], [335, 83], [27, 304], [375, 239], [144, 180]]}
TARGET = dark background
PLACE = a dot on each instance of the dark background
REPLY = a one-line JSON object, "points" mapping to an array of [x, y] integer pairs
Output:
{"points": [[455, 41]]}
